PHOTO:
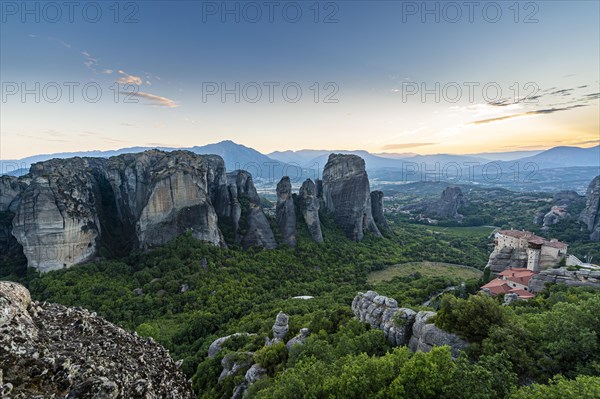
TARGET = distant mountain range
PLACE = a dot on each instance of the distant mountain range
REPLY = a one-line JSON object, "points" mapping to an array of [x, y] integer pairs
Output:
{"points": [[516, 170]]}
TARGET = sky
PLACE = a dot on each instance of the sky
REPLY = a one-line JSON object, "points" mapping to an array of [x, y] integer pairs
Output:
{"points": [[382, 76]]}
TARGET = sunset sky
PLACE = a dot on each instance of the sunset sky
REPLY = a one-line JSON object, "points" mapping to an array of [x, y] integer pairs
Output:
{"points": [[360, 61]]}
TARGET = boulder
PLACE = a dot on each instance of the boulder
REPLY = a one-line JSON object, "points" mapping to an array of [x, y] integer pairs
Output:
{"points": [[383, 313], [235, 363], [285, 212], [298, 339], [215, 346], [309, 206], [590, 216], [572, 278], [555, 215], [346, 195], [426, 335], [49, 350], [280, 328]]}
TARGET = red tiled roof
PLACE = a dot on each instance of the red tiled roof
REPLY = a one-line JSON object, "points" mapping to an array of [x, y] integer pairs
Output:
{"points": [[497, 286], [517, 275]]}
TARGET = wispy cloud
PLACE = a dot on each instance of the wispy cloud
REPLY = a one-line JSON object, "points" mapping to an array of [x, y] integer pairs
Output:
{"points": [[529, 113], [129, 79], [153, 99], [405, 145]]}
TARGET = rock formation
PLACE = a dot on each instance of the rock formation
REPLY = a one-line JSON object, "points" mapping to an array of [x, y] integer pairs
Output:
{"points": [[285, 212], [10, 192], [449, 204], [242, 363], [49, 350], [567, 198], [254, 230], [555, 215], [65, 210], [575, 278], [298, 339], [309, 206], [403, 326], [426, 335], [591, 214], [215, 346], [383, 313], [280, 328], [501, 259], [346, 194], [57, 222], [377, 209]]}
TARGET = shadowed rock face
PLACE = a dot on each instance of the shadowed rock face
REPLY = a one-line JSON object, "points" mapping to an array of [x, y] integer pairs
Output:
{"points": [[309, 206], [11, 189], [286, 212], [65, 210], [451, 201], [166, 194], [243, 198], [591, 214], [42, 356], [377, 209], [346, 194]]}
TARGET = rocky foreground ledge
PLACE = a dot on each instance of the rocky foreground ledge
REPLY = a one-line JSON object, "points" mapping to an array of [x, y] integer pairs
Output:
{"points": [[52, 351]]}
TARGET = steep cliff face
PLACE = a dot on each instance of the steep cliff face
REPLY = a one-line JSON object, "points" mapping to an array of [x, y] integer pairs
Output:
{"points": [[49, 350], [506, 257], [309, 206], [451, 201], [165, 194], [56, 220], [286, 211], [65, 210], [254, 229], [11, 189], [591, 214], [346, 194], [377, 209]]}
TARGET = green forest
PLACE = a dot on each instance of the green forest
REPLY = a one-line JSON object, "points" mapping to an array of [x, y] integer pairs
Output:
{"points": [[187, 293]]}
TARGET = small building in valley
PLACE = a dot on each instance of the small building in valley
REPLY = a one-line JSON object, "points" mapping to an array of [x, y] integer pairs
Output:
{"points": [[541, 253], [511, 281]]}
